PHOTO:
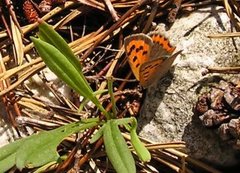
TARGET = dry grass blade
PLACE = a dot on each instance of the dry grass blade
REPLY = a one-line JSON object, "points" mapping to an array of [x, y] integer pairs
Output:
{"points": [[12, 13], [87, 42], [11, 107], [236, 7], [13, 71], [226, 70], [193, 161], [231, 15], [172, 155], [111, 10], [93, 3], [30, 27], [24, 76], [94, 166], [71, 16], [17, 40], [124, 4], [2, 70], [34, 108], [4, 34], [115, 26]]}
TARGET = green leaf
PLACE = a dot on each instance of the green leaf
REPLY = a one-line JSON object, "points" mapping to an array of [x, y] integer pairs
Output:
{"points": [[7, 154], [117, 149], [62, 67], [35, 147], [97, 135], [66, 70], [49, 35], [7, 163], [140, 149], [11, 148], [110, 91], [40, 149]]}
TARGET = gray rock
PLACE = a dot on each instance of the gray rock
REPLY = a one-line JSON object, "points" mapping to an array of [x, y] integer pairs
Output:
{"points": [[167, 112]]}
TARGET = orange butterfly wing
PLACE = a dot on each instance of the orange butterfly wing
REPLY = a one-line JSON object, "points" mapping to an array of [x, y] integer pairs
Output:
{"points": [[161, 46], [159, 64], [138, 48], [155, 69], [149, 56]]}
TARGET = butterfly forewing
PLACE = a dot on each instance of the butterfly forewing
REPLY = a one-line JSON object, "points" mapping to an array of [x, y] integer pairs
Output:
{"points": [[138, 48], [155, 69], [161, 46]]}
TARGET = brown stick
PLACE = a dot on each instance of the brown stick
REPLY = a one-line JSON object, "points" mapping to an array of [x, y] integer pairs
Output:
{"points": [[5, 24], [228, 70], [111, 10], [173, 12]]}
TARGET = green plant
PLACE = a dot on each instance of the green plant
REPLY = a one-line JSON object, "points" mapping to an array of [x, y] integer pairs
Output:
{"points": [[40, 149]]}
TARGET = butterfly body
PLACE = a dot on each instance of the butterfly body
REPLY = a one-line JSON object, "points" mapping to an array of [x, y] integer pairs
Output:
{"points": [[150, 56]]}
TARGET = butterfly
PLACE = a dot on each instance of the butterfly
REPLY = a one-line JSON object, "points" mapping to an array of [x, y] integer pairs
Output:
{"points": [[150, 56]]}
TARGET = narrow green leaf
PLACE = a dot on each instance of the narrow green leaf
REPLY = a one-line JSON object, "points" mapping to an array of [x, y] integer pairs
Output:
{"points": [[60, 65], [7, 163], [140, 149], [65, 70], [110, 91], [97, 135], [117, 149], [49, 35]]}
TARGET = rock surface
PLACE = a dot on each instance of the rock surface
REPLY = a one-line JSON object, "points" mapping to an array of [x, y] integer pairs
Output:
{"points": [[166, 114]]}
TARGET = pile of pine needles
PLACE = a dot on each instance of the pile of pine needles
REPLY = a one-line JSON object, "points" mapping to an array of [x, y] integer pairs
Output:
{"points": [[95, 32]]}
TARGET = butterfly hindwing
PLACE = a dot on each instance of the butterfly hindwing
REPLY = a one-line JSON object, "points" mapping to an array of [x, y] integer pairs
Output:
{"points": [[148, 71], [155, 69], [138, 48]]}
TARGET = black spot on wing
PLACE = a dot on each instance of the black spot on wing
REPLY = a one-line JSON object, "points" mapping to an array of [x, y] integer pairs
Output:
{"points": [[169, 45], [144, 52], [139, 48], [131, 49], [134, 58]]}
